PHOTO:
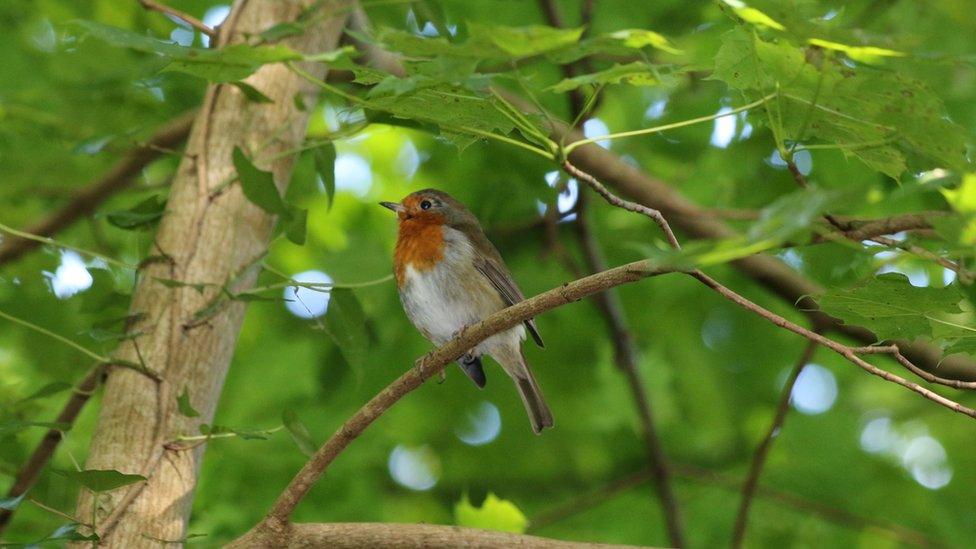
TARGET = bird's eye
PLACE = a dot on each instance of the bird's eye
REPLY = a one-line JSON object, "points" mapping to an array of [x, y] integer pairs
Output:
{"points": [[425, 205]]}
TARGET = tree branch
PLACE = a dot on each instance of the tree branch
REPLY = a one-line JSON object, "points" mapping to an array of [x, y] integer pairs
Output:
{"points": [[759, 457], [431, 364], [626, 359], [92, 196], [152, 5], [355, 535], [807, 507], [28, 473]]}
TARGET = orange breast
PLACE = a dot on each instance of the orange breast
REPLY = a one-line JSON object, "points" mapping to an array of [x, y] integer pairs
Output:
{"points": [[420, 244]]}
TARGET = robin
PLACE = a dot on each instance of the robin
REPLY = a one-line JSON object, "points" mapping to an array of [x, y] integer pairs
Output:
{"points": [[449, 277]]}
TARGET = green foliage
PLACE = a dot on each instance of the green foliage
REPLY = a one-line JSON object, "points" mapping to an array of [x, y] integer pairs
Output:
{"points": [[299, 432], [142, 215], [101, 480], [185, 406], [892, 308], [870, 100], [494, 514], [346, 325]]}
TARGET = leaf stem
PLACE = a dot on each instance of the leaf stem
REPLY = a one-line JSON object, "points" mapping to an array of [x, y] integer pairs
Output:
{"points": [[657, 129], [52, 242], [53, 335]]}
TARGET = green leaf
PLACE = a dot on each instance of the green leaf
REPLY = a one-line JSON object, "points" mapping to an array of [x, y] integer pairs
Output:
{"points": [[227, 64], [170, 283], [213, 430], [14, 425], [184, 405], [252, 93], [345, 323], [296, 225], [524, 41], [68, 532], [142, 215], [887, 121], [325, 157], [737, 63], [865, 54], [753, 15], [258, 185], [494, 514], [640, 38], [9, 504], [891, 307], [48, 390], [299, 432], [101, 480], [636, 74]]}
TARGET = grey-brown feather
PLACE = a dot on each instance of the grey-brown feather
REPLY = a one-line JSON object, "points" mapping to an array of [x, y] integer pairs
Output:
{"points": [[489, 262]]}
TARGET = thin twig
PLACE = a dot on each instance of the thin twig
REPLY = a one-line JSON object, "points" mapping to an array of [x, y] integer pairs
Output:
{"points": [[152, 5], [116, 179], [807, 507], [28, 473], [626, 359], [759, 457], [850, 353], [964, 275]]}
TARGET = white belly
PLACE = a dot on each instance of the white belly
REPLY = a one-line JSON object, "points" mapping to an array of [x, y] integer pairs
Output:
{"points": [[453, 295]]}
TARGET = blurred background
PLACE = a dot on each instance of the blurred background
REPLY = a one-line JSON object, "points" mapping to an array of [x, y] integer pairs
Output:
{"points": [[858, 463]]}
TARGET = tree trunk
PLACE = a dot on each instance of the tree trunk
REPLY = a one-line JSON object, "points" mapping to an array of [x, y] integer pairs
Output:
{"points": [[210, 233]]}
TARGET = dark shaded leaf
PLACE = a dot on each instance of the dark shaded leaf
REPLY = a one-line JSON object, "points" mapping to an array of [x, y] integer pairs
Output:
{"points": [[258, 185], [102, 480], [325, 157], [252, 93], [345, 323], [299, 432], [183, 403], [892, 308], [48, 390]]}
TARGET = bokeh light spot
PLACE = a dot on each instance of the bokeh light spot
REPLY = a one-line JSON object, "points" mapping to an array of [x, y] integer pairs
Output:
{"points": [[416, 468], [480, 426], [815, 390], [308, 302]]}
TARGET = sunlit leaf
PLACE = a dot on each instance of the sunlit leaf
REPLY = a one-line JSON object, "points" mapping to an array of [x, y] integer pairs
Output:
{"points": [[865, 54], [753, 15], [640, 38], [525, 41], [494, 514], [636, 74]]}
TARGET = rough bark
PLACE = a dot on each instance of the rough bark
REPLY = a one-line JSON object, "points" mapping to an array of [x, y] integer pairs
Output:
{"points": [[210, 233], [409, 536]]}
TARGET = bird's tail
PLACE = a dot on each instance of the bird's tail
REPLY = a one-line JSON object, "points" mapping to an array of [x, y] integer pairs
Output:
{"points": [[535, 404]]}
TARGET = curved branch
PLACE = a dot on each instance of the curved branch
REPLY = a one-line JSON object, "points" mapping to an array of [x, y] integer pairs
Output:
{"points": [[431, 364], [92, 196], [353, 535], [27, 475], [626, 358]]}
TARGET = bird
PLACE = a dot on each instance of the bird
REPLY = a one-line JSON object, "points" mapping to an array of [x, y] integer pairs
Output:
{"points": [[450, 276]]}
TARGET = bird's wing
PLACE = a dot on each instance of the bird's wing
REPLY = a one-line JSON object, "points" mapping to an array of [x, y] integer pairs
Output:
{"points": [[502, 281]]}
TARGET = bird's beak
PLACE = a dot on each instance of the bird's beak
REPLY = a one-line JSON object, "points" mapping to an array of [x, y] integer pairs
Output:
{"points": [[395, 206]]}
